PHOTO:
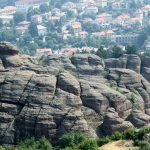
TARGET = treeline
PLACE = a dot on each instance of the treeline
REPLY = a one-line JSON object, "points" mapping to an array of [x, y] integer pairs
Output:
{"points": [[117, 51], [78, 141]]}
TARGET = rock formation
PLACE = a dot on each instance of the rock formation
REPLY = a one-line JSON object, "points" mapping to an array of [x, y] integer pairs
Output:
{"points": [[57, 94]]}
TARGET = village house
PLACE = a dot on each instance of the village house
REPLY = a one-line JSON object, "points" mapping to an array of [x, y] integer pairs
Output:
{"points": [[102, 3], [21, 30], [41, 30], [121, 20], [104, 17], [54, 20], [139, 13], [105, 33], [24, 5], [68, 51], [146, 10], [89, 3], [65, 34], [125, 39], [76, 27], [68, 6], [43, 52], [61, 15], [134, 21], [147, 46], [87, 49], [37, 18], [81, 6], [8, 10], [82, 34], [24, 24], [117, 5], [6, 19], [91, 10]]}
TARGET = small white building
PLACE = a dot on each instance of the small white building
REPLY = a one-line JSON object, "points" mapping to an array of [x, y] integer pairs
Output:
{"points": [[24, 5], [6, 19], [43, 52], [91, 10], [102, 3], [41, 30], [37, 18]]}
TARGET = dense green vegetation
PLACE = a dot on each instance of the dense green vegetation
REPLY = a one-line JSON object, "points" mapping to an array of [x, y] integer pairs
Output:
{"points": [[116, 52], [78, 141]]}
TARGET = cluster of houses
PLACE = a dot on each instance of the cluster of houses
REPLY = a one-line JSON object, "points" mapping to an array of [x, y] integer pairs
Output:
{"points": [[84, 11]]}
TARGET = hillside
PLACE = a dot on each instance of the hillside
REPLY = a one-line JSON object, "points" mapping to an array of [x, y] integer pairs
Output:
{"points": [[57, 94]]}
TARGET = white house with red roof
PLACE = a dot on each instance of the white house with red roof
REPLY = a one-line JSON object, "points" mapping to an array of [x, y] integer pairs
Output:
{"points": [[43, 51], [41, 30], [6, 19], [24, 5], [8, 10], [37, 18]]}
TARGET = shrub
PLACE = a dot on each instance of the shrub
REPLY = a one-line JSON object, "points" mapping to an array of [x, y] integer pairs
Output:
{"points": [[132, 99], [102, 141], [31, 144], [88, 145], [143, 145], [116, 136], [44, 144], [2, 148], [142, 132], [130, 134], [72, 139]]}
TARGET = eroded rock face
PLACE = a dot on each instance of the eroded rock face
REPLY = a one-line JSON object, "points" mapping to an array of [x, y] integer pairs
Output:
{"points": [[112, 123], [63, 94], [146, 68], [138, 119], [8, 49], [132, 62]]}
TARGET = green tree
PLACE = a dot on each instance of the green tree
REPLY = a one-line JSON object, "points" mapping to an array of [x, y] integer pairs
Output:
{"points": [[44, 7], [117, 52], [33, 29], [7, 35], [88, 145], [103, 53], [72, 139], [1, 23], [18, 17], [131, 49], [32, 48]]}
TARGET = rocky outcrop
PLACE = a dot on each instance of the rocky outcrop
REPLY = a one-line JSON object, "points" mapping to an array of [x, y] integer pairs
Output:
{"points": [[138, 119], [146, 68], [59, 94], [113, 123], [8, 49], [132, 62]]}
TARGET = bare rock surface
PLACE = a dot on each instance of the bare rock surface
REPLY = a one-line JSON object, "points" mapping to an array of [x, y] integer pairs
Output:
{"points": [[112, 123], [59, 95]]}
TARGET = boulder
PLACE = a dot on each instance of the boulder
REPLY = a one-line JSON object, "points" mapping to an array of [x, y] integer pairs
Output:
{"points": [[112, 123], [146, 68], [7, 48], [132, 62], [69, 83], [139, 119]]}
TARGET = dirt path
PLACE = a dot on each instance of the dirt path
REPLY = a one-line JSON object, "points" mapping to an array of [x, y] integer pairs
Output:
{"points": [[118, 145]]}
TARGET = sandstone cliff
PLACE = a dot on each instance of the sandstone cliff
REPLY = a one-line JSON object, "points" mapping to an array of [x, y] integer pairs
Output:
{"points": [[57, 94]]}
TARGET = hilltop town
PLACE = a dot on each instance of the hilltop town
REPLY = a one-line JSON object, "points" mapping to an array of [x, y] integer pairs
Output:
{"points": [[40, 27]]}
